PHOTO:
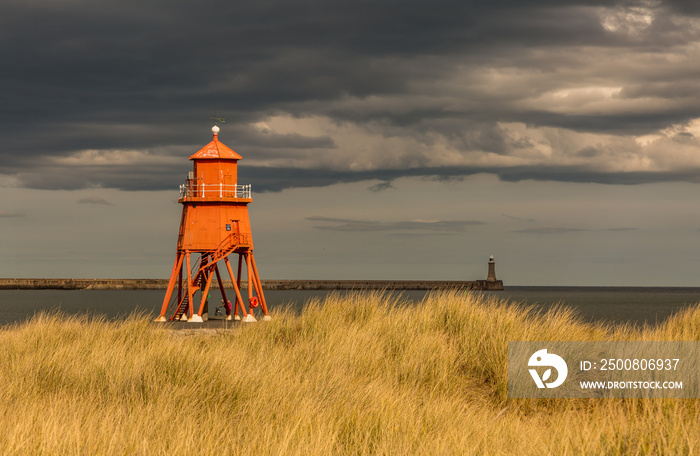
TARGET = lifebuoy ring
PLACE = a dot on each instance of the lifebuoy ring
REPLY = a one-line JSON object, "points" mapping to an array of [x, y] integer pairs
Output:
{"points": [[253, 302]]}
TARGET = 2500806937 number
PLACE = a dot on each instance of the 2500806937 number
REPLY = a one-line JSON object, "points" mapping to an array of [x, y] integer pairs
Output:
{"points": [[639, 364]]}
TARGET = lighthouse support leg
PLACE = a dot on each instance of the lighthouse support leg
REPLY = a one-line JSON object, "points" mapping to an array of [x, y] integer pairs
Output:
{"points": [[236, 288], [259, 288], [240, 269], [179, 284], [250, 317], [190, 285], [171, 284], [205, 292], [221, 289]]}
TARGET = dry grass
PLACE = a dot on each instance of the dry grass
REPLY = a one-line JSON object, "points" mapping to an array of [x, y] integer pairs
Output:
{"points": [[358, 374]]}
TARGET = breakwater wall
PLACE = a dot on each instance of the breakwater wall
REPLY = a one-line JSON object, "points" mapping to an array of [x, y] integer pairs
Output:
{"points": [[83, 284], [161, 284], [380, 284]]}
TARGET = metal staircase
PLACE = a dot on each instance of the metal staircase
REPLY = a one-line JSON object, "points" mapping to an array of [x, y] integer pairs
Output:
{"points": [[206, 267], [182, 308]]}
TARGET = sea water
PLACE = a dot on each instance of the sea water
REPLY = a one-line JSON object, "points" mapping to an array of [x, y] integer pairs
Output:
{"points": [[636, 305]]}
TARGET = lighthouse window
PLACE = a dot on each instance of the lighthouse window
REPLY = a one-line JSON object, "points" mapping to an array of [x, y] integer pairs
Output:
{"points": [[228, 227]]}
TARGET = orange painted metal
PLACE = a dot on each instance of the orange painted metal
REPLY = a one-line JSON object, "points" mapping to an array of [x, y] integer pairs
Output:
{"points": [[190, 284], [224, 299], [259, 289], [236, 288], [214, 224], [171, 284], [250, 284]]}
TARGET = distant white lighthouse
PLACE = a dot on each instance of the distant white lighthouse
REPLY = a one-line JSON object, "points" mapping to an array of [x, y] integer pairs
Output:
{"points": [[492, 270]]}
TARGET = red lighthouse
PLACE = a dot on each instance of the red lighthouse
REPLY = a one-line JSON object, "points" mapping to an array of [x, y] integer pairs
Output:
{"points": [[214, 224]]}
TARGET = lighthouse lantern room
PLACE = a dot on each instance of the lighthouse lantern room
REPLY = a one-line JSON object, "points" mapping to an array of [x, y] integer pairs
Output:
{"points": [[214, 225]]}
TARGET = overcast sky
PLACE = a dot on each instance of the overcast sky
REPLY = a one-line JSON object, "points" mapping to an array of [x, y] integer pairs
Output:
{"points": [[383, 139]]}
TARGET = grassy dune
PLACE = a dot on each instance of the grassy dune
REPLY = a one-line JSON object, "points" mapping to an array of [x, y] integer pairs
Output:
{"points": [[358, 374]]}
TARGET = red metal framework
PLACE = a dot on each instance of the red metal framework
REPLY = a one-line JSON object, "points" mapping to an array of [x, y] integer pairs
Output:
{"points": [[215, 225]]}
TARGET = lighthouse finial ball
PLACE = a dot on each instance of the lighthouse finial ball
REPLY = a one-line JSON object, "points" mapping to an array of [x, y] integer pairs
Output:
{"points": [[215, 129]]}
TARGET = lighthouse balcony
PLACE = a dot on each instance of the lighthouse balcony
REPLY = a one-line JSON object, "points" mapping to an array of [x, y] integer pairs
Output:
{"points": [[195, 190]]}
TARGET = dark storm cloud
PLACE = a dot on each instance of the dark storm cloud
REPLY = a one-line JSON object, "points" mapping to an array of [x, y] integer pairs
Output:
{"points": [[549, 230], [685, 6], [380, 187], [123, 177], [6, 214], [276, 179], [519, 219], [437, 226], [94, 200], [118, 77]]}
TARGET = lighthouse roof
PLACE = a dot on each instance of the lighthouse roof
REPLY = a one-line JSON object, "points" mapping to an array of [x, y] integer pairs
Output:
{"points": [[216, 150]]}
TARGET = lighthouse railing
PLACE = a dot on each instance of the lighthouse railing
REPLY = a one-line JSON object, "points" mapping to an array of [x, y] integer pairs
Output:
{"points": [[192, 189]]}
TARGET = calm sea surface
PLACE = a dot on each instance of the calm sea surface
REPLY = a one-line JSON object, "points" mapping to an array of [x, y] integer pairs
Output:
{"points": [[611, 304]]}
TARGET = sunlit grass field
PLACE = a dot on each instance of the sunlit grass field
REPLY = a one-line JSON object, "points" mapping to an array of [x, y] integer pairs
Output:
{"points": [[364, 373]]}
